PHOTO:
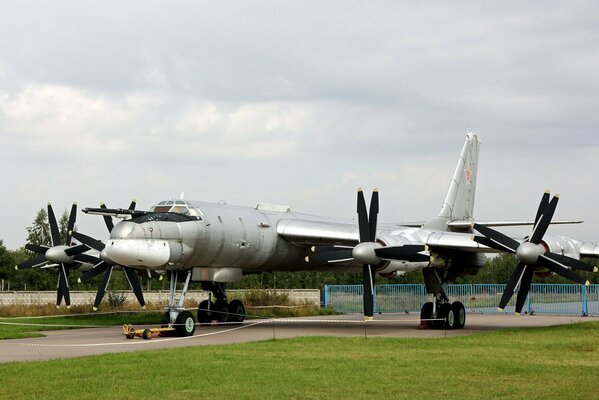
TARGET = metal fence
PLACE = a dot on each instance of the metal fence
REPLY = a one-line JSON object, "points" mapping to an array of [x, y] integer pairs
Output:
{"points": [[477, 298]]}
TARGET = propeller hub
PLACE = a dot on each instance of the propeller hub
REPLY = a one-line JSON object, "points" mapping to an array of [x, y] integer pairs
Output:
{"points": [[364, 253], [528, 253], [57, 255]]}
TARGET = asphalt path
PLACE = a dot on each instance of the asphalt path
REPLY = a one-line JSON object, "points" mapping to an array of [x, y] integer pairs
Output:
{"points": [[92, 341]]}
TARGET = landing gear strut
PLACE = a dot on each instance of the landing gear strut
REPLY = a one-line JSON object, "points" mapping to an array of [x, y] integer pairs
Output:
{"points": [[220, 310]]}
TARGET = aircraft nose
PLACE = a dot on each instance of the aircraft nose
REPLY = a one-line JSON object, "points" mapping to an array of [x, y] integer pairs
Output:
{"points": [[151, 253]]}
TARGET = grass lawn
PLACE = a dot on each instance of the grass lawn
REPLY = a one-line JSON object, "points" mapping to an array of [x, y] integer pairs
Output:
{"points": [[542, 363]]}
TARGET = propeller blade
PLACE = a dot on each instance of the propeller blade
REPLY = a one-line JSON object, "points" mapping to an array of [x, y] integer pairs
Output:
{"points": [[511, 285], [107, 219], [373, 214], [409, 252], [71, 224], [571, 262], [32, 262], [544, 221], [525, 282], [135, 285], [103, 285], [544, 203], [54, 231], [36, 248], [498, 240], [96, 270], [89, 241], [132, 205], [87, 259], [561, 269], [63, 286], [363, 225], [485, 241], [325, 257], [75, 250], [368, 297]]}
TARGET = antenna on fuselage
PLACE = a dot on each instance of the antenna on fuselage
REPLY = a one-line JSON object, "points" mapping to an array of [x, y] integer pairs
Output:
{"points": [[182, 195]]}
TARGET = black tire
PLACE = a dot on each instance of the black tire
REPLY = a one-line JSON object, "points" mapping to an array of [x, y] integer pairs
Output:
{"points": [[459, 312], [185, 324], [147, 334], [236, 311], [221, 311], [166, 320], [204, 315], [426, 313], [448, 316]]}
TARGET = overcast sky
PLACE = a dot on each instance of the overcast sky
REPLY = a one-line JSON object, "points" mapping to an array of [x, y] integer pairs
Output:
{"points": [[297, 103]]}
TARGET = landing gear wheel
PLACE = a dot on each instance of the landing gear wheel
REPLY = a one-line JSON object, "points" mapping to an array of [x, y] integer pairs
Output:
{"points": [[147, 334], [236, 311], [205, 312], [426, 313], [448, 316], [185, 324], [459, 312], [221, 311], [130, 335]]}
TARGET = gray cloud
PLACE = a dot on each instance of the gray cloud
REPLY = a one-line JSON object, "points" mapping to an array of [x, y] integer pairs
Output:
{"points": [[297, 103]]}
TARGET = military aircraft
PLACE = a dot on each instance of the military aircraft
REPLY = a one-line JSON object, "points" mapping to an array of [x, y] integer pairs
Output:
{"points": [[216, 244]]}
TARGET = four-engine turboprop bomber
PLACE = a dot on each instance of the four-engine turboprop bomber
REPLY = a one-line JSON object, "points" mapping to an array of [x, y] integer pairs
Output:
{"points": [[216, 244]]}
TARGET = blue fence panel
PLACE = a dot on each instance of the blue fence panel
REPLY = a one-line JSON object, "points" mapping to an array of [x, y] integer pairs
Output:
{"points": [[555, 299], [399, 298], [477, 298], [593, 300], [345, 298]]}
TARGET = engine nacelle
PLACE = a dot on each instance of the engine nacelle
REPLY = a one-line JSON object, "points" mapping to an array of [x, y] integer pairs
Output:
{"points": [[562, 245], [395, 268]]}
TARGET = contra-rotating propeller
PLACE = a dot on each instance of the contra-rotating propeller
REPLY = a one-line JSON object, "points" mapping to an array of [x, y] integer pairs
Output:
{"points": [[106, 266], [368, 251], [532, 254], [63, 256]]}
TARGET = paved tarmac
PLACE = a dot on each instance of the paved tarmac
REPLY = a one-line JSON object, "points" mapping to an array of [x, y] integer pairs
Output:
{"points": [[91, 341]]}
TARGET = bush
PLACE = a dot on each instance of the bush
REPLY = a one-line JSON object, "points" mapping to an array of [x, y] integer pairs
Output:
{"points": [[116, 300]]}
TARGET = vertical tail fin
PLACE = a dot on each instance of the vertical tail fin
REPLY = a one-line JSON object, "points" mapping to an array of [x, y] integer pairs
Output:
{"points": [[459, 202]]}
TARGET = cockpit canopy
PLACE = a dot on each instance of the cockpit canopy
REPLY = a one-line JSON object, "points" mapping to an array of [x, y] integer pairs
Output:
{"points": [[178, 207]]}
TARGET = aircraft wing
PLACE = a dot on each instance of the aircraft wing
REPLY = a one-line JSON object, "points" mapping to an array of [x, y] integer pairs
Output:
{"points": [[468, 224], [307, 232]]}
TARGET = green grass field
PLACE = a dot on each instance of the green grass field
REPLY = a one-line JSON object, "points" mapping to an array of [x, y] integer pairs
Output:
{"points": [[544, 363]]}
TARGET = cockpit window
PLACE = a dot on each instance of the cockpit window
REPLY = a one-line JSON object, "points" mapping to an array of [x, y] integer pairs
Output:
{"points": [[168, 217], [180, 207]]}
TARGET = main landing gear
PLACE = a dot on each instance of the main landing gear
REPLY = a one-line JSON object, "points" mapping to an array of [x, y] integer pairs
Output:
{"points": [[443, 315], [440, 313], [220, 310]]}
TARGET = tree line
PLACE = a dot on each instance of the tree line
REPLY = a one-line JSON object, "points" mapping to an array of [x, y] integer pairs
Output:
{"points": [[496, 270]]}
